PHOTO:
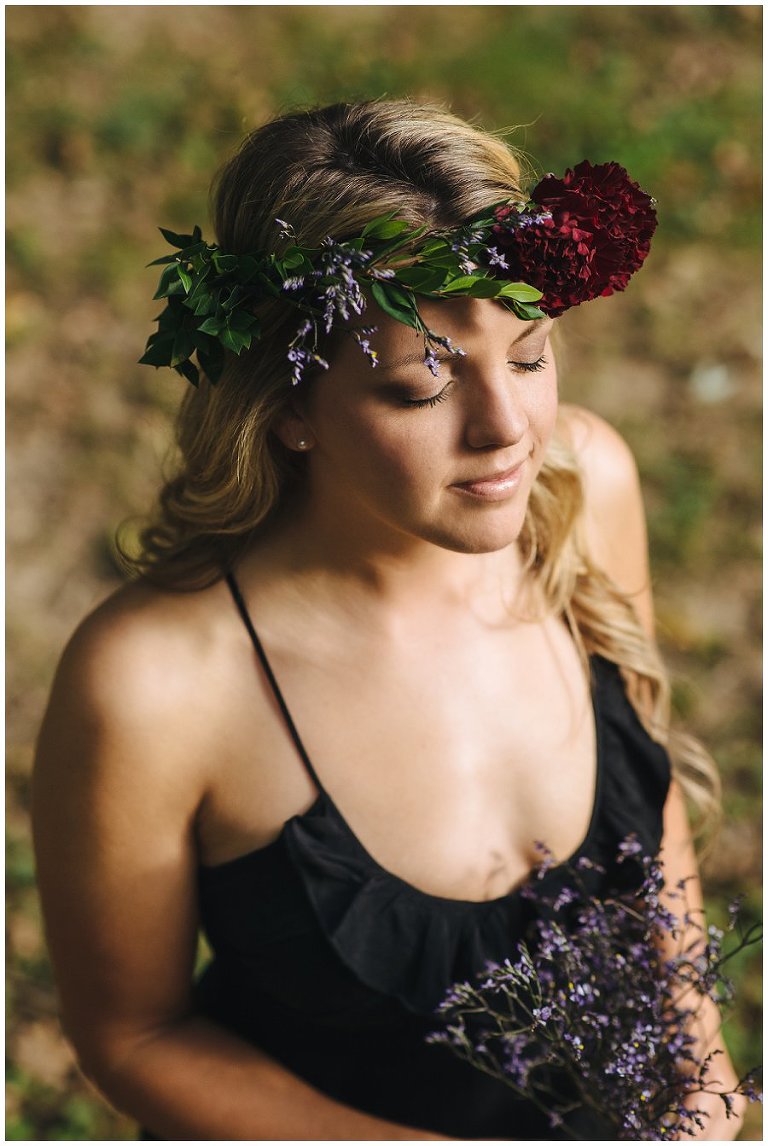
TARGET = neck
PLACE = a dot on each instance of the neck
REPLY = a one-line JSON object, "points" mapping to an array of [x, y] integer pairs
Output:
{"points": [[322, 557]]}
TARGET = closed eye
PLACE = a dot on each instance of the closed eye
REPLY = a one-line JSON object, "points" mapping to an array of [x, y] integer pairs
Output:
{"points": [[419, 403], [520, 367], [529, 367]]}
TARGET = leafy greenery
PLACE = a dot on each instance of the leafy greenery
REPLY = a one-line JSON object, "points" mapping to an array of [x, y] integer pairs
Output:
{"points": [[211, 296]]}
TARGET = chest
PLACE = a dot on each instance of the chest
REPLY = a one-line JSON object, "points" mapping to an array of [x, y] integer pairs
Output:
{"points": [[448, 758]]}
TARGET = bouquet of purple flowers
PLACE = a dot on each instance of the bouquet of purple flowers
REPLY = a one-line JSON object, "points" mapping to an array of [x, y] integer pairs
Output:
{"points": [[594, 999]]}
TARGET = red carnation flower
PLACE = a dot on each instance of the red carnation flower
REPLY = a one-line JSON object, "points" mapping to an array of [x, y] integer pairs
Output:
{"points": [[592, 233]]}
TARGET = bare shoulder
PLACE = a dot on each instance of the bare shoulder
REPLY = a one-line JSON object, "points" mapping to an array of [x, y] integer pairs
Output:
{"points": [[146, 668], [606, 460], [122, 767], [614, 515]]}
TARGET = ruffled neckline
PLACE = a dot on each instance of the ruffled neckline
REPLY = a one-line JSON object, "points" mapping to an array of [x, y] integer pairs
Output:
{"points": [[324, 806], [409, 944]]}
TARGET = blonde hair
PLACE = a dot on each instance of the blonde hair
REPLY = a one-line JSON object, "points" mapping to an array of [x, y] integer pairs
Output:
{"points": [[330, 171]]}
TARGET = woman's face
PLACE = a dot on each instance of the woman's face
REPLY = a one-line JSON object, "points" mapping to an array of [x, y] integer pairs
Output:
{"points": [[401, 455]]}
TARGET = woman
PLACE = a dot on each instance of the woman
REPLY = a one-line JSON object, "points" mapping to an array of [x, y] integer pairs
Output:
{"points": [[391, 670]]}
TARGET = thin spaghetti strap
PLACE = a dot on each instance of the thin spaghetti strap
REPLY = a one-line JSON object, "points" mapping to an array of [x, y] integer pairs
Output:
{"points": [[237, 596]]}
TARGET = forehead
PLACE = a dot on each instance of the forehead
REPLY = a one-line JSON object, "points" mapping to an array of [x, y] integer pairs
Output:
{"points": [[474, 325]]}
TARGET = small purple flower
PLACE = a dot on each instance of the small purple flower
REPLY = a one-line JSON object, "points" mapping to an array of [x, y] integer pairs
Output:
{"points": [[361, 336], [534, 220], [565, 896], [591, 996], [734, 910], [546, 862], [431, 361], [496, 259], [584, 863], [628, 847], [303, 359], [576, 1042], [749, 1088], [583, 993]]}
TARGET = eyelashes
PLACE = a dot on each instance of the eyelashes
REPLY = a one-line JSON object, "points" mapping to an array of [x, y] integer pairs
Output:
{"points": [[441, 396], [420, 403], [530, 367]]}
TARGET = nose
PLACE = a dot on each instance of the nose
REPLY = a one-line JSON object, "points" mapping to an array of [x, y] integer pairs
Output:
{"points": [[496, 413]]}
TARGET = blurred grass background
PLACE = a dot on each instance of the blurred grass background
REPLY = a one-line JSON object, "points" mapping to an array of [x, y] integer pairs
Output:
{"points": [[117, 117]]}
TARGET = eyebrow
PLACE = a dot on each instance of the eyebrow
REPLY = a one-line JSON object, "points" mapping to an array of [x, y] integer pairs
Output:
{"points": [[413, 359]]}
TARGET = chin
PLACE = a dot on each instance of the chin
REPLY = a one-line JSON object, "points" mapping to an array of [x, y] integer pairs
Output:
{"points": [[485, 537]]}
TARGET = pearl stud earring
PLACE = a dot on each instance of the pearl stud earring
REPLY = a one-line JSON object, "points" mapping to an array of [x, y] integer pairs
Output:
{"points": [[302, 444]]}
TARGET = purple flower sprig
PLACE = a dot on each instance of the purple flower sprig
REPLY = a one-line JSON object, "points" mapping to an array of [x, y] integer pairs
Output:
{"points": [[575, 239], [591, 1000], [214, 299]]}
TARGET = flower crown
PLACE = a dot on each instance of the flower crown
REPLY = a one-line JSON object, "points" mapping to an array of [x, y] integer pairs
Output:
{"points": [[576, 238]]}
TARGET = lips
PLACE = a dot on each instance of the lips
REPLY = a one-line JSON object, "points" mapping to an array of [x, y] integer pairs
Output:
{"points": [[494, 486]]}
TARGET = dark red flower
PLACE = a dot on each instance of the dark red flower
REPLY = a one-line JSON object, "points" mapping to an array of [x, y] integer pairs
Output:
{"points": [[591, 234]]}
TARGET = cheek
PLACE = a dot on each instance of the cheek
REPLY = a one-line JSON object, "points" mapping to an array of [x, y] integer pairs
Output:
{"points": [[382, 450]]}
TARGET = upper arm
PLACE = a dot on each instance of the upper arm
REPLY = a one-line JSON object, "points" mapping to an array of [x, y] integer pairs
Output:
{"points": [[614, 519], [113, 813]]}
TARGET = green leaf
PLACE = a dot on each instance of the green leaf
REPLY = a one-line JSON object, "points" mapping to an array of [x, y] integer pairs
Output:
{"points": [[234, 340], [200, 290], [484, 288], [383, 253], [186, 279], [242, 320], [205, 304], [183, 346], [158, 351], [385, 227], [398, 295], [520, 291], [170, 318], [230, 299], [446, 260], [211, 326], [390, 299], [198, 258], [189, 371], [180, 241], [462, 283], [211, 361], [423, 279], [434, 247], [164, 259], [525, 310], [268, 286], [169, 276], [249, 268], [292, 258], [224, 263]]}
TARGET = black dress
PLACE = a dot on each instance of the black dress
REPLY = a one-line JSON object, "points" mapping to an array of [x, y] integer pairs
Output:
{"points": [[334, 966]]}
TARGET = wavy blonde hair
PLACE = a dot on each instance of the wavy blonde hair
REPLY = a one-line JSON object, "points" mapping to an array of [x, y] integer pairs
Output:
{"points": [[330, 171]]}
